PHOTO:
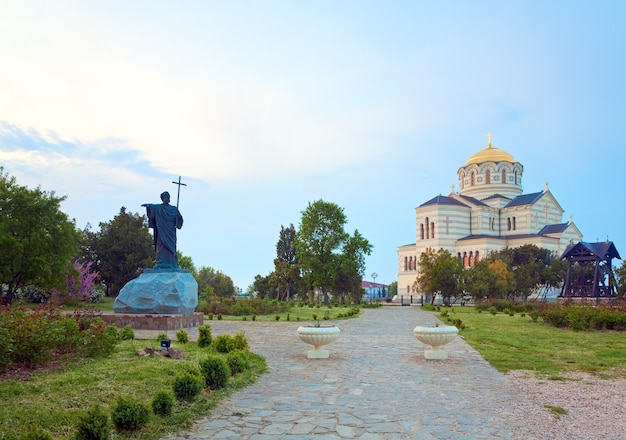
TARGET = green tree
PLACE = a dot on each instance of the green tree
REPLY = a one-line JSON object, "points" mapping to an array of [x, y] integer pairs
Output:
{"points": [[620, 278], [479, 281], [528, 264], [121, 249], [441, 273], [214, 282], [37, 240], [286, 275], [393, 289], [185, 262], [262, 287], [325, 252]]}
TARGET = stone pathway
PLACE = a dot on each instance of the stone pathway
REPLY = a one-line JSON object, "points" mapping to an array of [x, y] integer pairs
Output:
{"points": [[375, 385]]}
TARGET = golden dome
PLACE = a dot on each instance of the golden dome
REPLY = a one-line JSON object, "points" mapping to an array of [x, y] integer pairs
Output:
{"points": [[490, 154]]}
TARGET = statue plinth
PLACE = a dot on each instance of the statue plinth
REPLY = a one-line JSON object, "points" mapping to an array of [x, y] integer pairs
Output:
{"points": [[159, 291]]}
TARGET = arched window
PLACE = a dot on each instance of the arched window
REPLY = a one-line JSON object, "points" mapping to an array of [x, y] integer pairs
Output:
{"points": [[514, 223], [508, 221], [464, 259], [471, 258], [488, 176], [515, 174], [503, 175], [427, 229], [472, 179], [405, 263], [422, 230], [476, 258], [432, 230]]}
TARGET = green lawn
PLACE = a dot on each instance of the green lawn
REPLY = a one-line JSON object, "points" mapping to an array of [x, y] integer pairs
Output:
{"points": [[518, 343], [53, 400]]}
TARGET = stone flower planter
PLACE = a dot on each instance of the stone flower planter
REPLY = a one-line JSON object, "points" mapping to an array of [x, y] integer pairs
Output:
{"points": [[318, 337], [435, 336]]}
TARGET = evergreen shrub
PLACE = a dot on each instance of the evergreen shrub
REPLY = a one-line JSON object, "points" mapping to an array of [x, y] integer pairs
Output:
{"points": [[182, 336], [187, 386], [238, 361], [93, 425], [215, 371], [162, 404], [129, 414], [127, 333], [204, 336]]}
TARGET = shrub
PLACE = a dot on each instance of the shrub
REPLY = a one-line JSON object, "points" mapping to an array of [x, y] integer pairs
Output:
{"points": [[240, 342], [162, 404], [238, 362], [187, 386], [223, 343], [219, 317], [277, 317], [182, 336], [94, 425], [127, 333], [210, 315], [215, 372], [129, 414], [204, 336], [161, 336], [493, 310]]}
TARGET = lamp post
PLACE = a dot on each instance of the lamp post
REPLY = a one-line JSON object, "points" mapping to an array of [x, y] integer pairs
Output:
{"points": [[374, 275]]}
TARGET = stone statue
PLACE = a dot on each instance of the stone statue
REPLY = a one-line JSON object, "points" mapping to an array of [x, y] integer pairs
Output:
{"points": [[164, 219]]}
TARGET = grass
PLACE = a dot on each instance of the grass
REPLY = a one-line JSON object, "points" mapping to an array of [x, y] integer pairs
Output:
{"points": [[73, 390], [518, 343], [297, 313]]}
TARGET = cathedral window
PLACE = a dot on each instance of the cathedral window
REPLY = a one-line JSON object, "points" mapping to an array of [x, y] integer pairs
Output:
{"points": [[464, 259], [422, 230], [473, 180], [514, 223], [471, 259], [405, 264], [476, 258], [432, 230], [488, 176], [515, 175], [427, 229], [503, 175], [508, 221]]}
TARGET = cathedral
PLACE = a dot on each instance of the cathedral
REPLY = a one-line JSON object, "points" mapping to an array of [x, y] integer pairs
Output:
{"points": [[487, 214]]}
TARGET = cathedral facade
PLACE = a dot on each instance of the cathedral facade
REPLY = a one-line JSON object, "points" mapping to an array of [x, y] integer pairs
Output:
{"points": [[488, 213]]}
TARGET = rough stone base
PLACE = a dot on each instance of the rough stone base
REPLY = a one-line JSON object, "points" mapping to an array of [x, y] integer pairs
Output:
{"points": [[154, 322], [159, 291]]}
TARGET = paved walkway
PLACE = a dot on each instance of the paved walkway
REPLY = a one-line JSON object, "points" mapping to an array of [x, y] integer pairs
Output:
{"points": [[375, 385]]}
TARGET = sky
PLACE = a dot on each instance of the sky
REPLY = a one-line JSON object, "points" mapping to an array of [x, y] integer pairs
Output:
{"points": [[262, 107]]}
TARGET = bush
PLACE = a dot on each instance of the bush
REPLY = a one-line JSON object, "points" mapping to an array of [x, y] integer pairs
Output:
{"points": [[215, 372], [187, 386], [94, 425], [182, 336], [162, 404], [161, 336], [129, 414], [240, 342], [238, 362], [223, 343], [204, 336], [127, 333]]}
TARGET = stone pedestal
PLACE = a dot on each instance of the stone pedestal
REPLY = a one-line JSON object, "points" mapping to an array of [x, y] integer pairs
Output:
{"points": [[159, 291]]}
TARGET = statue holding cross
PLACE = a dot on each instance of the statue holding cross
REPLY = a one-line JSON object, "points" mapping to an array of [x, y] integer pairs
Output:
{"points": [[164, 219]]}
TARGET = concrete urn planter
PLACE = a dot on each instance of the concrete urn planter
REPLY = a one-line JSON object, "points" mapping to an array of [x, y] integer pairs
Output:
{"points": [[318, 337], [435, 336]]}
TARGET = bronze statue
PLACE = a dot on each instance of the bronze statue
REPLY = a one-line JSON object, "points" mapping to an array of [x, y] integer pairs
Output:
{"points": [[164, 219]]}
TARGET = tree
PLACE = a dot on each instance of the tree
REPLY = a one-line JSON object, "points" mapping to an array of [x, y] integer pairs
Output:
{"points": [[215, 282], [393, 289], [286, 273], [185, 262], [324, 250], [528, 265], [37, 240], [441, 273], [261, 286], [620, 277], [121, 249]]}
